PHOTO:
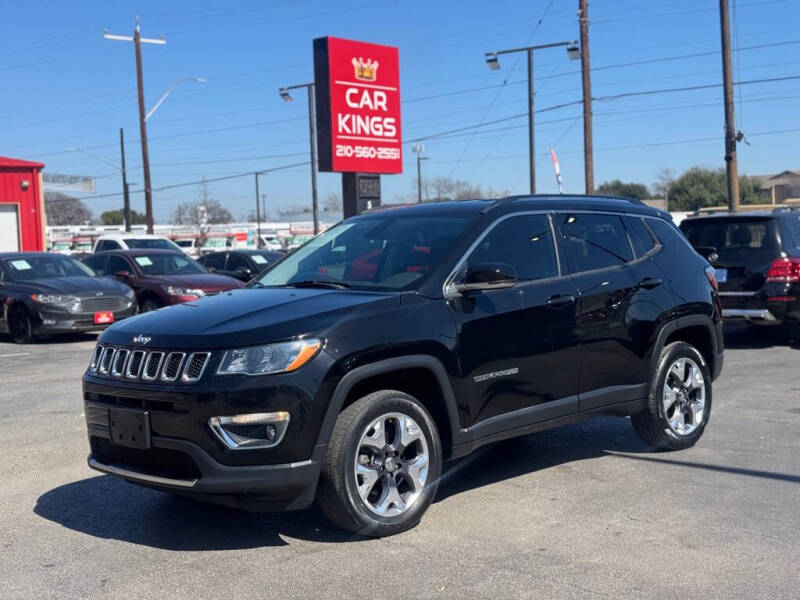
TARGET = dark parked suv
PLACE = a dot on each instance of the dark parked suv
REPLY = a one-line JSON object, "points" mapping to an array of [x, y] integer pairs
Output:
{"points": [[756, 257], [398, 339]]}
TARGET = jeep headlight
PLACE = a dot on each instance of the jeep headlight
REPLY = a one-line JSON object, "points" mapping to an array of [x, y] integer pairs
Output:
{"points": [[130, 296], [272, 358]]}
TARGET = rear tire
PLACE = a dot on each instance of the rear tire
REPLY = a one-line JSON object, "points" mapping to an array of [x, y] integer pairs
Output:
{"points": [[20, 326], [382, 466], [679, 403]]}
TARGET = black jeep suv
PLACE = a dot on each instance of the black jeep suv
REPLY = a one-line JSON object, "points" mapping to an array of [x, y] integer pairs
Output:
{"points": [[351, 369], [756, 257]]}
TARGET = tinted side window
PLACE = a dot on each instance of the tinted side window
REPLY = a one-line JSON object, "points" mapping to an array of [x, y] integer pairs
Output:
{"points": [[117, 264], [641, 238], [793, 224], [525, 243], [595, 241], [97, 263], [235, 261], [215, 261]]}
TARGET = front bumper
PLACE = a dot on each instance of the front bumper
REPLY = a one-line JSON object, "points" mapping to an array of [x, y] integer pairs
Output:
{"points": [[184, 454], [52, 321], [289, 486]]}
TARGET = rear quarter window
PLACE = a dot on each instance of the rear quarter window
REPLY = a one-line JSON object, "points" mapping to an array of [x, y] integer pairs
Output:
{"points": [[793, 225], [738, 233]]}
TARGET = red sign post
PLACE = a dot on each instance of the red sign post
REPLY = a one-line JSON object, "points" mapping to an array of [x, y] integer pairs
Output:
{"points": [[358, 106]]}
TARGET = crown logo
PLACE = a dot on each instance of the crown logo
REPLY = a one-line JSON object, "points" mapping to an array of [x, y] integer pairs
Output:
{"points": [[365, 70]]}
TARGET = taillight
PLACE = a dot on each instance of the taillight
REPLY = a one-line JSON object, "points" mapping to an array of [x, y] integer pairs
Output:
{"points": [[785, 270], [712, 277]]}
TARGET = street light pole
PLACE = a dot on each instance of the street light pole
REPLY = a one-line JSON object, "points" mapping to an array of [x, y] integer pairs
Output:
{"points": [[258, 215], [312, 137], [494, 64], [418, 149]]}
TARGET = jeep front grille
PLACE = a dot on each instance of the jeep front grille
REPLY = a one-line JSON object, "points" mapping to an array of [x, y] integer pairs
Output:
{"points": [[135, 364]]}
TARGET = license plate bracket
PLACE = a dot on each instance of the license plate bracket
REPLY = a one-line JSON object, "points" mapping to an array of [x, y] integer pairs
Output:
{"points": [[721, 275], [129, 428], [103, 317]]}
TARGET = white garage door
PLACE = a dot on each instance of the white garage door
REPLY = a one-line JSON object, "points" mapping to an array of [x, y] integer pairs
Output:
{"points": [[9, 228]]}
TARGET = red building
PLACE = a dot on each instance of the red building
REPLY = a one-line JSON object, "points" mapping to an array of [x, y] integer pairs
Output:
{"points": [[22, 216]]}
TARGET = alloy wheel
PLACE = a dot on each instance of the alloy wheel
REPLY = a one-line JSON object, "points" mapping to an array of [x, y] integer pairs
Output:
{"points": [[684, 396], [391, 464]]}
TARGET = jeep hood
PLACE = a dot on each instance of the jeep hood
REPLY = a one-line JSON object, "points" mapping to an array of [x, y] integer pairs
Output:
{"points": [[246, 317]]}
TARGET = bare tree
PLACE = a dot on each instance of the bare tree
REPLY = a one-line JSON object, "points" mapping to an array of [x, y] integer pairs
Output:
{"points": [[332, 203], [664, 179], [62, 209], [447, 188], [201, 212]]}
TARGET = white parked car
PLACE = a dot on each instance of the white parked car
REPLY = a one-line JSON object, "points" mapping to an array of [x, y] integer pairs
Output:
{"points": [[130, 241], [189, 246], [271, 242]]}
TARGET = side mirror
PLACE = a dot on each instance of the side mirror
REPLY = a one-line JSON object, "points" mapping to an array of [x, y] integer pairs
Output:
{"points": [[124, 276], [485, 276]]}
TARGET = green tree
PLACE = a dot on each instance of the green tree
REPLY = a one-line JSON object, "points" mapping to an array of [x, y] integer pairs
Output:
{"points": [[624, 190], [117, 217], [699, 187]]}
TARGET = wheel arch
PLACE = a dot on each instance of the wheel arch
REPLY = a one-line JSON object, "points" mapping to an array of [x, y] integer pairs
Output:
{"points": [[420, 375], [697, 330]]}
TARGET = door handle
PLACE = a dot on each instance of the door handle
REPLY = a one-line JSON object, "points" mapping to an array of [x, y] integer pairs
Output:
{"points": [[559, 301], [648, 283]]}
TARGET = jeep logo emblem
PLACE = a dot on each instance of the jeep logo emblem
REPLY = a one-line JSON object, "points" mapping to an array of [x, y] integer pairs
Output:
{"points": [[140, 339]]}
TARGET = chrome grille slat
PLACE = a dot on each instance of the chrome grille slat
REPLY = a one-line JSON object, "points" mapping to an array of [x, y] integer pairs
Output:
{"points": [[120, 360], [195, 365], [152, 365], [106, 360], [112, 303], [135, 363], [148, 365], [172, 366], [98, 351]]}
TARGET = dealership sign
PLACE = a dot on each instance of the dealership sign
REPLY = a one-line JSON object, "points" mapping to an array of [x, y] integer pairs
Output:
{"points": [[68, 183], [357, 89]]}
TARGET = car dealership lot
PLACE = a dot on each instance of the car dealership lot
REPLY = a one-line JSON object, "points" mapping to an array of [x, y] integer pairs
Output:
{"points": [[585, 510]]}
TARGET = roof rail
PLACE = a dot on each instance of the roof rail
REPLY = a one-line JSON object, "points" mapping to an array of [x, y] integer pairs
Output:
{"points": [[786, 208], [710, 210]]}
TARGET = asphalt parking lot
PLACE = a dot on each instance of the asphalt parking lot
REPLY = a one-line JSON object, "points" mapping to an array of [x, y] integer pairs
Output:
{"points": [[578, 512]]}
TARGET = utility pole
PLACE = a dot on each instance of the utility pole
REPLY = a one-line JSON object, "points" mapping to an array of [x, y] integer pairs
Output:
{"points": [[258, 215], [731, 167], [588, 144], [126, 211], [138, 40]]}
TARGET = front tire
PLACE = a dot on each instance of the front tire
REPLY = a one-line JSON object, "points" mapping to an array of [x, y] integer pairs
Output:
{"points": [[149, 304], [382, 466], [20, 326], [679, 403]]}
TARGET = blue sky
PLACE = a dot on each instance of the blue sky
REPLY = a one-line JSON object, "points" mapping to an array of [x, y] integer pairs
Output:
{"points": [[66, 88]]}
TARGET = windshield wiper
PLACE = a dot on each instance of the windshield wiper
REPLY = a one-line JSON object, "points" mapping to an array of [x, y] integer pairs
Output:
{"points": [[310, 283]]}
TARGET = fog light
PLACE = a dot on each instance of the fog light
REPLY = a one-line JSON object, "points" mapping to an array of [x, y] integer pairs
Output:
{"points": [[49, 321], [253, 430]]}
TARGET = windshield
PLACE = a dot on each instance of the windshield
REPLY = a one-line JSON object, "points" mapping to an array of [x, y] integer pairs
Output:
{"points": [[185, 243], [386, 253], [741, 233], [62, 246], [215, 242], [27, 268], [150, 243], [167, 264]]}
